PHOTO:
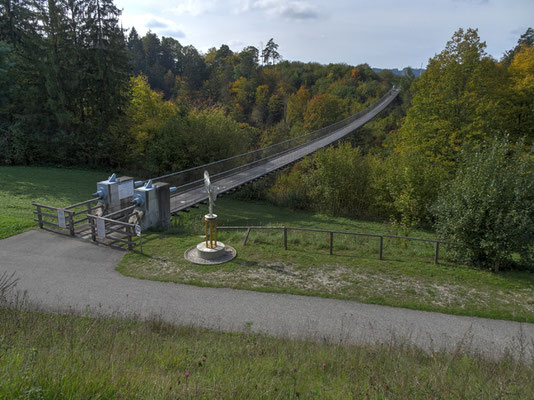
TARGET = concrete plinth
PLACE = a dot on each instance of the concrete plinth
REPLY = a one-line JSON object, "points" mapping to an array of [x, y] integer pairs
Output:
{"points": [[200, 254]]}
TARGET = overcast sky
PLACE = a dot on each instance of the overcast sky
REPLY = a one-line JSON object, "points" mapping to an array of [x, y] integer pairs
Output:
{"points": [[382, 33]]}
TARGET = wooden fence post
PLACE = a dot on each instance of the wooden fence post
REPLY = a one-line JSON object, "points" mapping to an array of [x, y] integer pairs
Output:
{"points": [[285, 238], [130, 243], [71, 223], [246, 237], [93, 230], [381, 247], [437, 253], [331, 243]]}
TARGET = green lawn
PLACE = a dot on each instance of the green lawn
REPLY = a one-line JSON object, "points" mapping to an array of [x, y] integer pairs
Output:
{"points": [[20, 186], [45, 356], [407, 277]]}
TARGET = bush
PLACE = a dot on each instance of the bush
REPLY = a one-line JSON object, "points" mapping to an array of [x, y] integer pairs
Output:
{"points": [[334, 180], [489, 206]]}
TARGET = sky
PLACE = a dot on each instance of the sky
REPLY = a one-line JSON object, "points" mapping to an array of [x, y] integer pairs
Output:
{"points": [[381, 33]]}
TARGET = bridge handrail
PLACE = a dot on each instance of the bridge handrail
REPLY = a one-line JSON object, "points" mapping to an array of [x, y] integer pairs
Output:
{"points": [[327, 129]]}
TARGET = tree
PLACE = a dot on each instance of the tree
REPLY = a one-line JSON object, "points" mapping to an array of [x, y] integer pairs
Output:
{"points": [[296, 106], [489, 207], [248, 61], [338, 193], [322, 110], [270, 52], [242, 96], [520, 107], [135, 46], [526, 39], [445, 111]]}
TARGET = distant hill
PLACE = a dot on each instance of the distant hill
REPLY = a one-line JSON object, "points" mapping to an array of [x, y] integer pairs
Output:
{"points": [[416, 71]]}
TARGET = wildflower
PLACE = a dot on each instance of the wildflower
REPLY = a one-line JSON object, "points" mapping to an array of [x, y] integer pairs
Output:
{"points": [[294, 369], [324, 365], [186, 374], [204, 358]]}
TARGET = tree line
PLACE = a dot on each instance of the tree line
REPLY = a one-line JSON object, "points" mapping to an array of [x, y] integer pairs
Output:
{"points": [[461, 160], [76, 85]]}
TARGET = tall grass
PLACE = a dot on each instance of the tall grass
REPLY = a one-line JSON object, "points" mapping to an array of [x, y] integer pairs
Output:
{"points": [[46, 356]]}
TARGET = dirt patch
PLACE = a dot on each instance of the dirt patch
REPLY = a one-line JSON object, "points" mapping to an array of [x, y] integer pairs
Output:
{"points": [[341, 281]]}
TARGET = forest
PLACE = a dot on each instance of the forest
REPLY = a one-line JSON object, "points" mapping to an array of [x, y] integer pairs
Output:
{"points": [[454, 153]]}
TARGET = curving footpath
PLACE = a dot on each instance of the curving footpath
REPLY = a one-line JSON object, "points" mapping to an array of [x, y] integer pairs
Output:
{"points": [[64, 274]]}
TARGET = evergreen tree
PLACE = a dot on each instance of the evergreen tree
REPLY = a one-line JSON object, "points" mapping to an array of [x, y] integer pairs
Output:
{"points": [[137, 52], [270, 52]]}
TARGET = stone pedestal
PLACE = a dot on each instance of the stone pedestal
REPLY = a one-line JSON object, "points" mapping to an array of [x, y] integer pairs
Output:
{"points": [[211, 253], [202, 255]]}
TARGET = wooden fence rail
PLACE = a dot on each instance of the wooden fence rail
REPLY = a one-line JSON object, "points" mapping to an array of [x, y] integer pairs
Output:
{"points": [[286, 229], [114, 231], [64, 217]]}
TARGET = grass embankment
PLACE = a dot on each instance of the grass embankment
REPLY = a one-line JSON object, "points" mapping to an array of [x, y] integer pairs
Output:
{"points": [[406, 277], [20, 186], [44, 356]]}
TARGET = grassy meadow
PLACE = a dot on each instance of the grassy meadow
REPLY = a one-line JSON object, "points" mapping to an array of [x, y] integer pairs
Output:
{"points": [[20, 186]]}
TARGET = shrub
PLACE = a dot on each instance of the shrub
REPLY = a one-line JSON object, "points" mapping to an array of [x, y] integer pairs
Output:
{"points": [[489, 206]]}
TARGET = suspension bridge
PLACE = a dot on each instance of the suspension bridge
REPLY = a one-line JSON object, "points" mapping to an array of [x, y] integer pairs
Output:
{"points": [[122, 208], [231, 173]]}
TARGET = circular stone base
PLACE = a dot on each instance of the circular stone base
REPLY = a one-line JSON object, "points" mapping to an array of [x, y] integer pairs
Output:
{"points": [[200, 254]]}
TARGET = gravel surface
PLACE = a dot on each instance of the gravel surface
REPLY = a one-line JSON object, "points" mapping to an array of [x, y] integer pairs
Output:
{"points": [[60, 273]]}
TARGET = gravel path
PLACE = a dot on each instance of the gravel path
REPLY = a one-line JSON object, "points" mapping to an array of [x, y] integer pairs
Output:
{"points": [[60, 273]]}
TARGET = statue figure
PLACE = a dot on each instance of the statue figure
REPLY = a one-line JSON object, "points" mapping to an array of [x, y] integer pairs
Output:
{"points": [[212, 191]]}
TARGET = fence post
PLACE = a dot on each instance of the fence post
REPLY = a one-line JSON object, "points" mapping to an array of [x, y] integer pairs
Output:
{"points": [[93, 230], [437, 253], [285, 238], [130, 243], [246, 237], [40, 217], [381, 247], [331, 243], [71, 223]]}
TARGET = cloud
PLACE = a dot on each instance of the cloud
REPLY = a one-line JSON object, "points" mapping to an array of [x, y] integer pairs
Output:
{"points": [[175, 33], [236, 44], [195, 7], [291, 10], [154, 23]]}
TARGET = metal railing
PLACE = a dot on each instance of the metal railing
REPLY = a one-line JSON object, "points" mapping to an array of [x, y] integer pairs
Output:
{"points": [[331, 233], [192, 177]]}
